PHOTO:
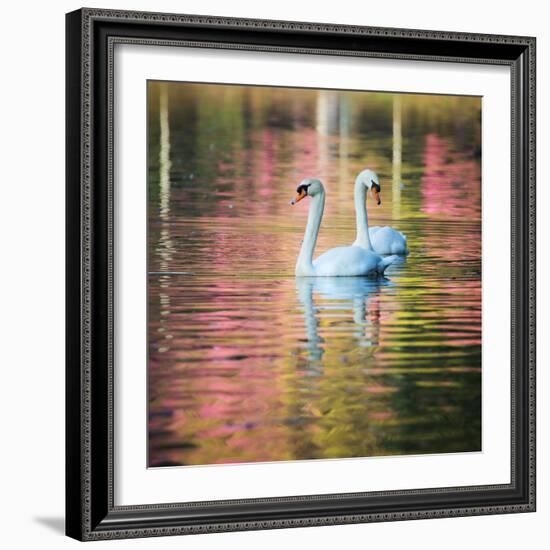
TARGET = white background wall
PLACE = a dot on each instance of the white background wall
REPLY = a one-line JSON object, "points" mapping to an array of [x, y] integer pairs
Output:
{"points": [[32, 276]]}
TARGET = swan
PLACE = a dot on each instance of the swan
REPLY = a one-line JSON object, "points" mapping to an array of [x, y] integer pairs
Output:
{"points": [[382, 240], [342, 261]]}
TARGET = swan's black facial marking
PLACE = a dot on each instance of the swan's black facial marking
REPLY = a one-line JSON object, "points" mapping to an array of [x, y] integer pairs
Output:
{"points": [[375, 186], [301, 191], [302, 188]]}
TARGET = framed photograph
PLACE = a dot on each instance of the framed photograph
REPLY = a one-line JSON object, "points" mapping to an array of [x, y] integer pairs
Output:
{"points": [[300, 274]]}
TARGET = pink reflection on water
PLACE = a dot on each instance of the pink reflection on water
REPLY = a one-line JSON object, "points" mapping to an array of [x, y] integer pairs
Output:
{"points": [[306, 153], [450, 184], [267, 163]]}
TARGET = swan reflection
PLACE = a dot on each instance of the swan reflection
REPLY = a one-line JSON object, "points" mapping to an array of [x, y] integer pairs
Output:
{"points": [[328, 297]]}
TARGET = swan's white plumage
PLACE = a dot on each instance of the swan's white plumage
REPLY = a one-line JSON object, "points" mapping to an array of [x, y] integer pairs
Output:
{"points": [[350, 261], [387, 240], [342, 261], [382, 240]]}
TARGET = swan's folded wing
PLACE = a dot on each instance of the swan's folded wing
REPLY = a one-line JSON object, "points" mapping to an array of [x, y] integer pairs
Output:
{"points": [[385, 263], [347, 261], [387, 240]]}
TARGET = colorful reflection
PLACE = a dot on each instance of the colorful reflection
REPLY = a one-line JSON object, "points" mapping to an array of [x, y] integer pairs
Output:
{"points": [[248, 363]]}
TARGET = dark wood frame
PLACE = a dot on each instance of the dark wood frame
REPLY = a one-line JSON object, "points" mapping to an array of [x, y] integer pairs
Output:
{"points": [[90, 510]]}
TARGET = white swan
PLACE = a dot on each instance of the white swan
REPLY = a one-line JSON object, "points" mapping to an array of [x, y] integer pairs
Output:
{"points": [[382, 240], [342, 261]]}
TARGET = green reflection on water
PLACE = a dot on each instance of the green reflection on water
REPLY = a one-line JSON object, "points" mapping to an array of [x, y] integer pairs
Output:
{"points": [[246, 363]]}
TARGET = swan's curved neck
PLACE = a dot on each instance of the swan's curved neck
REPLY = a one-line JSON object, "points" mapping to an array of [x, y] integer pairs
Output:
{"points": [[304, 264], [361, 220]]}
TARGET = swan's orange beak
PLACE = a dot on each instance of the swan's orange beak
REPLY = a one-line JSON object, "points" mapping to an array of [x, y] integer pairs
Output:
{"points": [[376, 195], [301, 194]]}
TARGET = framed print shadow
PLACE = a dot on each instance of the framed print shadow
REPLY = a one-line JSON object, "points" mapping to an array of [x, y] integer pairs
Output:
{"points": [[300, 274]]}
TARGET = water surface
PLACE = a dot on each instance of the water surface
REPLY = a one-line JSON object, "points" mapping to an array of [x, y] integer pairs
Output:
{"points": [[248, 363]]}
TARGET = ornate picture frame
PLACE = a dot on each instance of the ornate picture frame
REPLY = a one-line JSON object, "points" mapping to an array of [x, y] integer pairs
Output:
{"points": [[91, 512]]}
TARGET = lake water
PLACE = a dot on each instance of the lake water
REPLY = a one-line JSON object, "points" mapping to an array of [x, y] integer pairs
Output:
{"points": [[248, 363]]}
